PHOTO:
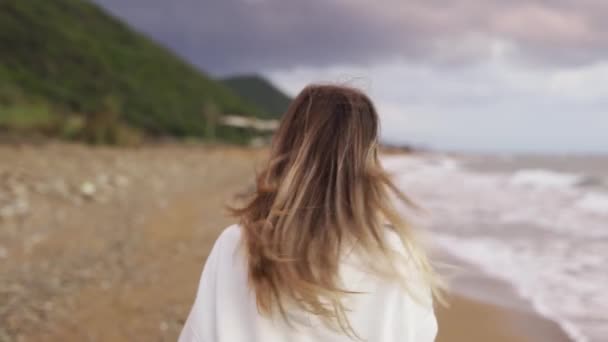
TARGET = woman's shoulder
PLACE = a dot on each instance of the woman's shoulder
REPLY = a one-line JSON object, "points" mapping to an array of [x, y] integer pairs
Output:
{"points": [[228, 240], [231, 233]]}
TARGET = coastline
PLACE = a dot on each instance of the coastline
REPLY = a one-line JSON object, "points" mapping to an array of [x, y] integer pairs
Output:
{"points": [[470, 320], [516, 220], [116, 251], [482, 308]]}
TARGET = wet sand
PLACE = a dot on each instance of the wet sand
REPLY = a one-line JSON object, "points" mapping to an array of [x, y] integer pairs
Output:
{"points": [[482, 308], [469, 320]]}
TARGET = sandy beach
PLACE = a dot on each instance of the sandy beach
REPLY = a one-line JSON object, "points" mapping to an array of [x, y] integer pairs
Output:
{"points": [[107, 244]]}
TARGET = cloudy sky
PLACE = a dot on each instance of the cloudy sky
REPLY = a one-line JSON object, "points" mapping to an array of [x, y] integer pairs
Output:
{"points": [[495, 75]]}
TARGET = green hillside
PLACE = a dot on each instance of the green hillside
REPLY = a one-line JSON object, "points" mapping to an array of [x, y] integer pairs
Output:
{"points": [[66, 58], [260, 92]]}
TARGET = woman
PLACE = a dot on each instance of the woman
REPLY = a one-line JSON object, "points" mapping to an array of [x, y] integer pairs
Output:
{"points": [[320, 252]]}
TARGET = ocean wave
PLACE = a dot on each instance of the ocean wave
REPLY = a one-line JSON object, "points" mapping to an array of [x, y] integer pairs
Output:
{"points": [[538, 229], [515, 266], [541, 178], [594, 202]]}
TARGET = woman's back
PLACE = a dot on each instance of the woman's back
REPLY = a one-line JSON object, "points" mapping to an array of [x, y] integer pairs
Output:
{"points": [[320, 225], [225, 308]]}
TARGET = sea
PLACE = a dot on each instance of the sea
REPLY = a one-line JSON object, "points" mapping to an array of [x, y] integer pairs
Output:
{"points": [[539, 223]]}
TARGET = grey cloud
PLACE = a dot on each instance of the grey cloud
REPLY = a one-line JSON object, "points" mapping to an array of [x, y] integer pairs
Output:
{"points": [[225, 36]]}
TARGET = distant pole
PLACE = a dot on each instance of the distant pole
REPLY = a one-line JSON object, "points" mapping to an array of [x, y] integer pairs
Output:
{"points": [[211, 115]]}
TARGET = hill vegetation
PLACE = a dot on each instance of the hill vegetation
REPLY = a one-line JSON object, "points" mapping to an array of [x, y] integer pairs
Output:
{"points": [[260, 92], [67, 67]]}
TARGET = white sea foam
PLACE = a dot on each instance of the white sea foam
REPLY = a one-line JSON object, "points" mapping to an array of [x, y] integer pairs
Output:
{"points": [[535, 228], [520, 267], [594, 202], [545, 178]]}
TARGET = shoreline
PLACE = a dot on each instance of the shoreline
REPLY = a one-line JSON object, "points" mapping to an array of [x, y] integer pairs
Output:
{"points": [[97, 265], [471, 320], [484, 308]]}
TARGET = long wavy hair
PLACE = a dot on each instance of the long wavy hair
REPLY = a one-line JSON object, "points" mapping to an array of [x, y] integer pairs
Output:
{"points": [[323, 189]]}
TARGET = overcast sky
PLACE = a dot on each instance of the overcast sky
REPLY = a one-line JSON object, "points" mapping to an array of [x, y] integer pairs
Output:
{"points": [[517, 75]]}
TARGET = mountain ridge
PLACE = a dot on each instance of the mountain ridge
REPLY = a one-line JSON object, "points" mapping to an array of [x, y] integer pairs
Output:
{"points": [[260, 92], [75, 59]]}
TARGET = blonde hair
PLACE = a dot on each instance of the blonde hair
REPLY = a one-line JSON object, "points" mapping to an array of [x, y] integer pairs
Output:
{"points": [[324, 187]]}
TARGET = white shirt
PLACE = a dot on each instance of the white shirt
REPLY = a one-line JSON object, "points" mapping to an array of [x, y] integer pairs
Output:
{"points": [[225, 308]]}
